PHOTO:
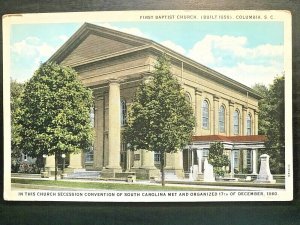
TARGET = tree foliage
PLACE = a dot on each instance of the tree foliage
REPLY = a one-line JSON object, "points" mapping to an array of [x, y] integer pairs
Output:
{"points": [[161, 118], [217, 158], [55, 113], [271, 122], [16, 91]]}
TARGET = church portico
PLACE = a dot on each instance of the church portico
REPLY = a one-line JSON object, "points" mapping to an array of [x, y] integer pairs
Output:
{"points": [[241, 151]]}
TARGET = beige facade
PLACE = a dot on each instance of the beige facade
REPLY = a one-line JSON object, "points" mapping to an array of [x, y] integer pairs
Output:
{"points": [[113, 64]]}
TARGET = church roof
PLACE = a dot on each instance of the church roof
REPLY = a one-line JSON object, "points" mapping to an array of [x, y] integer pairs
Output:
{"points": [[92, 43]]}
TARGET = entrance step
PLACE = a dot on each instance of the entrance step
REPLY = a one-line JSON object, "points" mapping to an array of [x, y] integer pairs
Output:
{"points": [[83, 174]]}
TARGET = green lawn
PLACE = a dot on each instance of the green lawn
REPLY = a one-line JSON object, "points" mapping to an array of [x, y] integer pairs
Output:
{"points": [[107, 186]]}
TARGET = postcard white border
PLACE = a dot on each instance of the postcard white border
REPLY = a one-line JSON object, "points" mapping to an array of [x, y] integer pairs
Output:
{"points": [[114, 16]]}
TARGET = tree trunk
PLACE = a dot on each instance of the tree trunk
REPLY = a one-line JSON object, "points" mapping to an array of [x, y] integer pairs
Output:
{"points": [[162, 168], [55, 166]]}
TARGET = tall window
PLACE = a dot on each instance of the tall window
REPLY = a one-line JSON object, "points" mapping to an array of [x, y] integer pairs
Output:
{"points": [[236, 159], [236, 123], [157, 157], [92, 116], [205, 114], [123, 152], [249, 131], [89, 155], [222, 119], [123, 113]]}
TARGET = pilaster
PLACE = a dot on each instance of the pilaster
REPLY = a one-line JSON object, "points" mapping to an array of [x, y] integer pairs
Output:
{"points": [[244, 121], [255, 132], [231, 112], [216, 115], [75, 161], [147, 160], [50, 163], [198, 104], [99, 132]]}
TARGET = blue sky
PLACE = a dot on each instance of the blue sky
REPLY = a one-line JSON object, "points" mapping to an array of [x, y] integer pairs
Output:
{"points": [[249, 52]]}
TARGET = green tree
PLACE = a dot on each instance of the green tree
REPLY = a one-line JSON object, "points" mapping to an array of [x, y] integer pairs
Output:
{"points": [[16, 91], [217, 158], [271, 122], [55, 113], [161, 118], [263, 107], [275, 145]]}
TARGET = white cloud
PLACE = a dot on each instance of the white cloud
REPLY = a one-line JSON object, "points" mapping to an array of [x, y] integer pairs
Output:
{"points": [[212, 49], [32, 47], [267, 50], [231, 56], [26, 56], [203, 50], [250, 74], [174, 46], [63, 37]]}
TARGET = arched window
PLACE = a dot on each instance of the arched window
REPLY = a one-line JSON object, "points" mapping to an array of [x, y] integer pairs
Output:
{"points": [[92, 116], [205, 114], [188, 97], [222, 119], [236, 122], [123, 113], [249, 130]]}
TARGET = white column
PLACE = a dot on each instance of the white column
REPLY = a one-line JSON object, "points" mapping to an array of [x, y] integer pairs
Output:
{"points": [[200, 156], [232, 163], [192, 158], [75, 161], [254, 161], [114, 125], [128, 162]]}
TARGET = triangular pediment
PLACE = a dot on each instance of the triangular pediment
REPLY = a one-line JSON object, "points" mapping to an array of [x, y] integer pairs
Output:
{"points": [[92, 42]]}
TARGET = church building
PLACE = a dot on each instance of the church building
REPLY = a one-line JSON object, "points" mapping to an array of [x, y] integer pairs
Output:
{"points": [[113, 64]]}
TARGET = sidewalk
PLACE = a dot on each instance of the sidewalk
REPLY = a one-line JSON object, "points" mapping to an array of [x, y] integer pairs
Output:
{"points": [[201, 185]]}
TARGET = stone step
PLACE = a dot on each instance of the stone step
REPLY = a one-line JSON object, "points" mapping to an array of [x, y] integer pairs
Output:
{"points": [[84, 175], [27, 175]]}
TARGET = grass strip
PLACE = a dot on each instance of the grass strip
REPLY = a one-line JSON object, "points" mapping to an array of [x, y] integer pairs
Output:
{"points": [[107, 186]]}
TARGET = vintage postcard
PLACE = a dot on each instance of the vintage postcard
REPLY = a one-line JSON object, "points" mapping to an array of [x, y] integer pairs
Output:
{"points": [[148, 106]]}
